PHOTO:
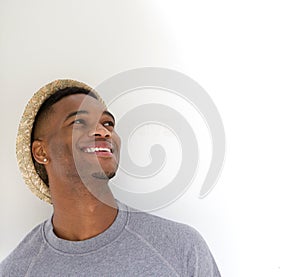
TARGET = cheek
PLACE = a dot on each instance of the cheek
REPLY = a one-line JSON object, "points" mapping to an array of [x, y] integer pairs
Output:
{"points": [[60, 149], [117, 141]]}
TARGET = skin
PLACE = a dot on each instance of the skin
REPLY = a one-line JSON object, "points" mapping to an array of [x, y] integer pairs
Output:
{"points": [[83, 203]]}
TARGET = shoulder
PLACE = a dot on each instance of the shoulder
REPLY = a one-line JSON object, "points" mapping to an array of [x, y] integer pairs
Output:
{"points": [[166, 236], [17, 262], [180, 244], [151, 225]]}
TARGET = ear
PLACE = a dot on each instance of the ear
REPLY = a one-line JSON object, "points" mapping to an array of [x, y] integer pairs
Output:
{"points": [[39, 152]]}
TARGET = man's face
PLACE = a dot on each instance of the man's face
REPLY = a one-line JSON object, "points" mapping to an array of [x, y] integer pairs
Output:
{"points": [[80, 140]]}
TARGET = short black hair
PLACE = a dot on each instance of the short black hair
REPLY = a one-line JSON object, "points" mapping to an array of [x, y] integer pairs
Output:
{"points": [[44, 110]]}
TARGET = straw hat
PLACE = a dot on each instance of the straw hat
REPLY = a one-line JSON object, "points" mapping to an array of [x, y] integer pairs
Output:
{"points": [[23, 143]]}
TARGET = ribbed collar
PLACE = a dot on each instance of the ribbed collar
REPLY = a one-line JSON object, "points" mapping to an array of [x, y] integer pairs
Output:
{"points": [[89, 245]]}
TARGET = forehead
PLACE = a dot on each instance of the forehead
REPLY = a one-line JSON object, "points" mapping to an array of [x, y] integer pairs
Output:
{"points": [[77, 102]]}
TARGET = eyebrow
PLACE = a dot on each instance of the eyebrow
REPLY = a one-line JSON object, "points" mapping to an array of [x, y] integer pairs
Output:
{"points": [[86, 112]]}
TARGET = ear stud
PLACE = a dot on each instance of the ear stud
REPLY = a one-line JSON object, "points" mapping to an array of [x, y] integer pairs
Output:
{"points": [[45, 160]]}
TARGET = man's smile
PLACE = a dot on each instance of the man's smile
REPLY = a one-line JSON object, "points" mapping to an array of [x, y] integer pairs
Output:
{"points": [[100, 148], [96, 149]]}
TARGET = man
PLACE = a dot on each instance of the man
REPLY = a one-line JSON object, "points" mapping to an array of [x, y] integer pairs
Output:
{"points": [[68, 149]]}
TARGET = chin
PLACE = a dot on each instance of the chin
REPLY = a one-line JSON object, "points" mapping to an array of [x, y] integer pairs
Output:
{"points": [[104, 176]]}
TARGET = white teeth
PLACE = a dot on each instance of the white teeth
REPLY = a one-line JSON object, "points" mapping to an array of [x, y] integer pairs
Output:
{"points": [[96, 149]]}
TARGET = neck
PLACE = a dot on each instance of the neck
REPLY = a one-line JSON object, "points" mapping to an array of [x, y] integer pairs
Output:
{"points": [[82, 215]]}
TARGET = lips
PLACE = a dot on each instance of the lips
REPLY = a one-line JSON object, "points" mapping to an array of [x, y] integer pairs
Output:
{"points": [[99, 148], [96, 149]]}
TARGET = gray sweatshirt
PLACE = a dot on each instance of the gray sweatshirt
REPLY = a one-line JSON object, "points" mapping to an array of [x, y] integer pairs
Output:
{"points": [[136, 244]]}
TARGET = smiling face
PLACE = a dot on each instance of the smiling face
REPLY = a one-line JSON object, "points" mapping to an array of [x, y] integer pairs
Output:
{"points": [[78, 141]]}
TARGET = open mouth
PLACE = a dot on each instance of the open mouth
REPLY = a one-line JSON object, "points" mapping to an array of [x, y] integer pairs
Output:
{"points": [[97, 150]]}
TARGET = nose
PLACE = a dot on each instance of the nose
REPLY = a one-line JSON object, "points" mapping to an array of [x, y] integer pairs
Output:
{"points": [[100, 131]]}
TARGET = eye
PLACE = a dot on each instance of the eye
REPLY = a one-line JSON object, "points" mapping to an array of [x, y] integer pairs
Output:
{"points": [[78, 121], [109, 124]]}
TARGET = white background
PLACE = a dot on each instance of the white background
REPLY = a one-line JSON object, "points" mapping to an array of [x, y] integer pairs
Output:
{"points": [[245, 54]]}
